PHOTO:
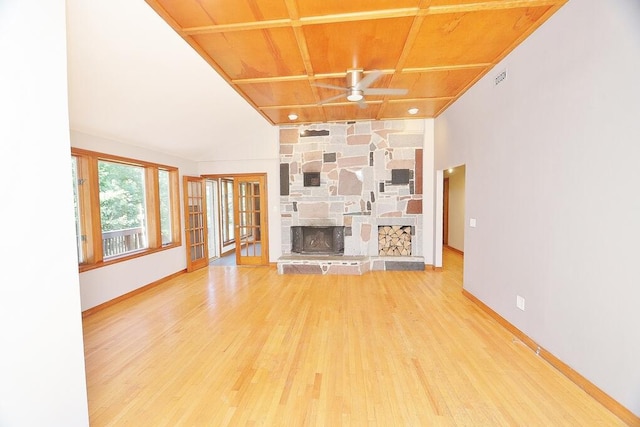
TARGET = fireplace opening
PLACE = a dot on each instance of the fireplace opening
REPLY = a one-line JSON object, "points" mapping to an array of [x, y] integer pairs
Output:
{"points": [[328, 240]]}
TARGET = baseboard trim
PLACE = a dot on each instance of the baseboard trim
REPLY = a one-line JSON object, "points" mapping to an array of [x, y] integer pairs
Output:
{"points": [[93, 310], [591, 389], [458, 251]]}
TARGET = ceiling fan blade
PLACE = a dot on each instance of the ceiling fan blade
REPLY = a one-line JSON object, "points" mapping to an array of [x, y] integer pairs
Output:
{"points": [[385, 91], [343, 89], [368, 79], [362, 104], [324, 101]]}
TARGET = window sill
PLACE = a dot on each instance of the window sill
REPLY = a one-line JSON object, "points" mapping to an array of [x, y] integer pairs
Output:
{"points": [[127, 257]]}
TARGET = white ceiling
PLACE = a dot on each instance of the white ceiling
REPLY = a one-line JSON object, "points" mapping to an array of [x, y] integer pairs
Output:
{"points": [[133, 79]]}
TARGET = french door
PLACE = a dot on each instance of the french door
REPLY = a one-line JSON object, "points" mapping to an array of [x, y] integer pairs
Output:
{"points": [[250, 219], [195, 212]]}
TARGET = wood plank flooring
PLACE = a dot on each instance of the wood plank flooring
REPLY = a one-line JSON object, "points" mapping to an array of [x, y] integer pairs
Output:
{"points": [[244, 346]]}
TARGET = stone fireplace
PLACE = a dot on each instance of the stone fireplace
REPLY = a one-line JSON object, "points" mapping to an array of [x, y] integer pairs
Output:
{"points": [[316, 240], [340, 184]]}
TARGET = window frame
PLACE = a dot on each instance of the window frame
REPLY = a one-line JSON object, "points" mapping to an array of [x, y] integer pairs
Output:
{"points": [[89, 202], [227, 218]]}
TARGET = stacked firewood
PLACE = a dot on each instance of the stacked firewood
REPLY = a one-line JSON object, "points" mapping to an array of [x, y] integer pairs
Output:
{"points": [[394, 240]]}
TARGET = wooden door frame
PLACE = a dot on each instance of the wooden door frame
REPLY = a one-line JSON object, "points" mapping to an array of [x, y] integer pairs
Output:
{"points": [[264, 201], [202, 261]]}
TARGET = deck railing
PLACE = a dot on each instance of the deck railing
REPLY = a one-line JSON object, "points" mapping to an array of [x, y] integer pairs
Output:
{"points": [[119, 242]]}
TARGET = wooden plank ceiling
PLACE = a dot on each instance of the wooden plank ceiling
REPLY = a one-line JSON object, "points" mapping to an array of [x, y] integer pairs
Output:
{"points": [[273, 52]]}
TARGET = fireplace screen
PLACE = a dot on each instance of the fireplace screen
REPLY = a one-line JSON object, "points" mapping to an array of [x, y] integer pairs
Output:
{"points": [[317, 240]]}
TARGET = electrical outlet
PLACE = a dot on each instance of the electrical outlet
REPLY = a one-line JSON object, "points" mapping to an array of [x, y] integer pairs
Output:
{"points": [[520, 302]]}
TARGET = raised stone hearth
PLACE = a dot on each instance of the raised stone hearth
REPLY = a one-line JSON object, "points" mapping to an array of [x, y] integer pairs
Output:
{"points": [[346, 265]]}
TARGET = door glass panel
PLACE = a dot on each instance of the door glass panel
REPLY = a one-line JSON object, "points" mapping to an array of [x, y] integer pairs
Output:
{"points": [[249, 217], [195, 208]]}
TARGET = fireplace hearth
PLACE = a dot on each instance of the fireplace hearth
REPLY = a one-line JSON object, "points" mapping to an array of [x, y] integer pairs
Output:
{"points": [[317, 240]]}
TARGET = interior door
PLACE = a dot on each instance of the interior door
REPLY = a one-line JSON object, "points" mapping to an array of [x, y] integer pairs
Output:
{"points": [[251, 225], [195, 212]]}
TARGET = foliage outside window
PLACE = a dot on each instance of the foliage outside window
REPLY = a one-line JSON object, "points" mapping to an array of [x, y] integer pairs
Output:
{"points": [[124, 208]]}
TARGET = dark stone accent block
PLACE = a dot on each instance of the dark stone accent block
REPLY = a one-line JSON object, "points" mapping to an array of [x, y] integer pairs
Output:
{"points": [[311, 179], [284, 179], [329, 157], [400, 176], [373, 197], [347, 231], [371, 159], [411, 188], [295, 206], [381, 187], [302, 269], [310, 132], [403, 266], [368, 206]]}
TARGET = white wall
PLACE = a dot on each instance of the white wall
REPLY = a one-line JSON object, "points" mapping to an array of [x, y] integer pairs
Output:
{"points": [[428, 191], [552, 177], [106, 283], [245, 162], [42, 377], [456, 208]]}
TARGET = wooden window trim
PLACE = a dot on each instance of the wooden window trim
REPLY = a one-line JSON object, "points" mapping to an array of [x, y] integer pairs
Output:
{"points": [[89, 201]]}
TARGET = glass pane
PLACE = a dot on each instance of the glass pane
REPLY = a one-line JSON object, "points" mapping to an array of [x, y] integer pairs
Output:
{"points": [[76, 205], [212, 209], [122, 208], [227, 211], [165, 206]]}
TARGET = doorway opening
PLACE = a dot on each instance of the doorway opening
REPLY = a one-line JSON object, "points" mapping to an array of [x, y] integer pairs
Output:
{"points": [[450, 211], [454, 208], [237, 218]]}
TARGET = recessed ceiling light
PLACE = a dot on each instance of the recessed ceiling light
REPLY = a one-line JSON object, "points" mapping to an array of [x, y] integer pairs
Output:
{"points": [[413, 110], [293, 116]]}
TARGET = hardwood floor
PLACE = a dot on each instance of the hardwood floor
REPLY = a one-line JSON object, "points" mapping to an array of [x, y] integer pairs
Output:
{"points": [[246, 346]]}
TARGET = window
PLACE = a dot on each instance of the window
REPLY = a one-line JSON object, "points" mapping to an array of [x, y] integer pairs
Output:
{"points": [[164, 182], [124, 208], [76, 206], [226, 195]]}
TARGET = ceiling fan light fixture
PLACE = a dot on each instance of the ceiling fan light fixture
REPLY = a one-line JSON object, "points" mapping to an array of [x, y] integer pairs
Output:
{"points": [[355, 95], [293, 117], [413, 110]]}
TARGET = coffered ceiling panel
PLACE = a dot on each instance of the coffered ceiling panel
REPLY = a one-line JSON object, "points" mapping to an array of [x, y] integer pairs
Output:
{"points": [[372, 44], [477, 37], [337, 60], [254, 53], [335, 7]]}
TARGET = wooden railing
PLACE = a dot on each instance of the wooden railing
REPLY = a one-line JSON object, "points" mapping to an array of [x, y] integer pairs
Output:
{"points": [[120, 242]]}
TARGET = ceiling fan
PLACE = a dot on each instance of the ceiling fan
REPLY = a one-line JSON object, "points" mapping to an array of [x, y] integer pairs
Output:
{"points": [[357, 87]]}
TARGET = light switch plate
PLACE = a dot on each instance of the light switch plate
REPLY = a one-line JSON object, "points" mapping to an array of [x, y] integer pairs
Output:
{"points": [[472, 222]]}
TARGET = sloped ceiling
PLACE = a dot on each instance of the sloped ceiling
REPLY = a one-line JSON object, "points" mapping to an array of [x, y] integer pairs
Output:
{"points": [[275, 52], [193, 78], [132, 79]]}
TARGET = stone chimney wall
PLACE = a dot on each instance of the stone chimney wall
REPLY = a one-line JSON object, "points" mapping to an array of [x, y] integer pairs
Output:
{"points": [[370, 176]]}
